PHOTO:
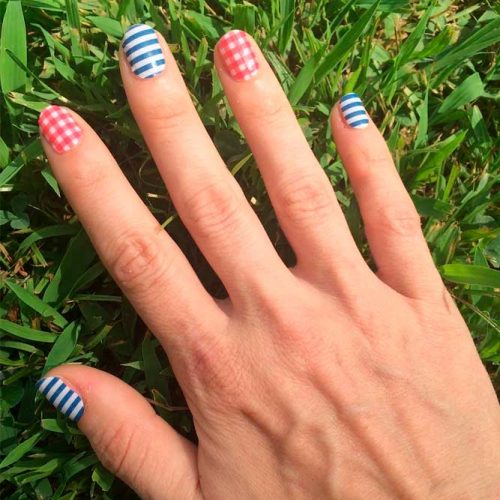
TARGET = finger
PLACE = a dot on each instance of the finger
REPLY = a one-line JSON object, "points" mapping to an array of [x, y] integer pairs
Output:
{"points": [[128, 437], [301, 193], [391, 221], [207, 197], [142, 258]]}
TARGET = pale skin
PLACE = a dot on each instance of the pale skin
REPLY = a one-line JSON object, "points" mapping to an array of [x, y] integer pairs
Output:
{"points": [[322, 381]]}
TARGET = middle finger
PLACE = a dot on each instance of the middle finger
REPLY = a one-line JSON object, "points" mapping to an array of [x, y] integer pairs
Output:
{"points": [[208, 199]]}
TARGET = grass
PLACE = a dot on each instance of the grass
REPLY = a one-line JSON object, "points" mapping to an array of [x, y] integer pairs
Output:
{"points": [[429, 76]]}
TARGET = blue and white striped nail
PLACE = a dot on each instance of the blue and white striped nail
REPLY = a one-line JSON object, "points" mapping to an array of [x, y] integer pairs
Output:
{"points": [[353, 111], [143, 51], [66, 400]]}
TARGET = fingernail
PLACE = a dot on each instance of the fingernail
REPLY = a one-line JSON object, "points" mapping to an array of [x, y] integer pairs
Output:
{"points": [[353, 111], [66, 400], [59, 128], [143, 51], [237, 55]]}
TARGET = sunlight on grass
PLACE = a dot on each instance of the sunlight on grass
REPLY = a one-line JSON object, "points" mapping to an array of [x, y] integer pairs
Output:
{"points": [[429, 77]]}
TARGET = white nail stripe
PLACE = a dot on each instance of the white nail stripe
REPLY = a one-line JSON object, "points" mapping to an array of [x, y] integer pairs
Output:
{"points": [[75, 411], [61, 396], [137, 41], [361, 125], [356, 119], [135, 29], [145, 62], [144, 50], [68, 403], [153, 71], [354, 109], [54, 388], [45, 383], [350, 101]]}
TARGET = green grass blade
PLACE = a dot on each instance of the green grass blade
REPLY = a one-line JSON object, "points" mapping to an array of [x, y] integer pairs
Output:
{"points": [[48, 232], [480, 39], [429, 207], [76, 260], [389, 6], [469, 90], [286, 11], [23, 332], [50, 5], [437, 44], [304, 80], [13, 38], [30, 152], [20, 346], [471, 275], [111, 27], [341, 15], [410, 44], [75, 29], [20, 450], [63, 347], [345, 44], [423, 124], [441, 152], [244, 17], [38, 305]]}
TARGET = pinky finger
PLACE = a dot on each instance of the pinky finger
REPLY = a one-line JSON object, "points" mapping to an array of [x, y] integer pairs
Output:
{"points": [[392, 223]]}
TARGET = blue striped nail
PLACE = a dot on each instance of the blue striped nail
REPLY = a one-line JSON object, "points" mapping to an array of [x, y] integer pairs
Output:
{"points": [[353, 111], [143, 51], [66, 400]]}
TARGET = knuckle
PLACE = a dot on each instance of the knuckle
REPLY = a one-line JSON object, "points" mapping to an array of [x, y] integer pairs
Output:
{"points": [[370, 160], [376, 155], [213, 209], [170, 115], [138, 262], [89, 176], [400, 221], [267, 106], [214, 370], [308, 197]]}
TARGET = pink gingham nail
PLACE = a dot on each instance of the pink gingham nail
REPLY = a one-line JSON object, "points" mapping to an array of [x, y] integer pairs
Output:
{"points": [[59, 128], [237, 54]]}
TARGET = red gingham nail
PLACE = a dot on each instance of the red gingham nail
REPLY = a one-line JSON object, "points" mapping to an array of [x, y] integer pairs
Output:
{"points": [[237, 54], [59, 128]]}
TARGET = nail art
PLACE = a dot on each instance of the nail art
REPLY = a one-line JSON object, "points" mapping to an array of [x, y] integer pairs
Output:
{"points": [[353, 111], [59, 128], [143, 51], [237, 54], [66, 400]]}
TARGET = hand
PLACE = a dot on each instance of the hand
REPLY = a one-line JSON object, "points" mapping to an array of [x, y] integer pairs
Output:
{"points": [[325, 380]]}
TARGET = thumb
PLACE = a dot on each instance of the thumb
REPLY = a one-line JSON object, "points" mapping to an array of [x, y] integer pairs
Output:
{"points": [[128, 437]]}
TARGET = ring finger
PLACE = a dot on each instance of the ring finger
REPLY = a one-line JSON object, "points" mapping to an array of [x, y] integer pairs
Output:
{"points": [[301, 193]]}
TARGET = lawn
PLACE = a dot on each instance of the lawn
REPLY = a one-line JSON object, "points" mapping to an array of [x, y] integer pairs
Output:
{"points": [[429, 76]]}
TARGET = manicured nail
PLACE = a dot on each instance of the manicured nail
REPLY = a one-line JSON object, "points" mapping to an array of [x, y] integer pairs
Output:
{"points": [[66, 400], [237, 54], [353, 111], [143, 51], [59, 128]]}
